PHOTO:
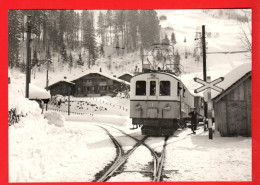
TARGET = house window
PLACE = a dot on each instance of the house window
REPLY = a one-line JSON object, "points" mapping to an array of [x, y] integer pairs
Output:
{"points": [[140, 88], [165, 88], [152, 88]]}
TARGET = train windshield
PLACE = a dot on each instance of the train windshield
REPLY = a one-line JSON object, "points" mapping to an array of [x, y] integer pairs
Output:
{"points": [[140, 88], [165, 88], [152, 88]]}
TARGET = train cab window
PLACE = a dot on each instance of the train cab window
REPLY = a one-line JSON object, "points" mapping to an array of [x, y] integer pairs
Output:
{"points": [[140, 88], [165, 88], [152, 88], [179, 88]]}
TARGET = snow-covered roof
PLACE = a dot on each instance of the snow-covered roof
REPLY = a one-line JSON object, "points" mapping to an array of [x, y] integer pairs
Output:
{"points": [[188, 80], [61, 81], [38, 93], [100, 73], [125, 73], [232, 77]]}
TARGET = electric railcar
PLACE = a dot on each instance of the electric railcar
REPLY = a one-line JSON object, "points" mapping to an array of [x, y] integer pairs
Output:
{"points": [[160, 103]]}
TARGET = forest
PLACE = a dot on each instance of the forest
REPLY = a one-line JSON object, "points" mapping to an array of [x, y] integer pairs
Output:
{"points": [[61, 32]]}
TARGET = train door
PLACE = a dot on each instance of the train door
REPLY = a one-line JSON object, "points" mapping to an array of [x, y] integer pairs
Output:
{"points": [[152, 105]]}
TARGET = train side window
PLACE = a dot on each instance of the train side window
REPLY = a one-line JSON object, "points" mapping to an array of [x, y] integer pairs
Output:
{"points": [[165, 88], [140, 88], [184, 92], [152, 88], [179, 88]]}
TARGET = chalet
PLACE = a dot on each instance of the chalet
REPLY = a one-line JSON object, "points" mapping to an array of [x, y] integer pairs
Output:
{"points": [[95, 84], [62, 87], [232, 108], [126, 77]]}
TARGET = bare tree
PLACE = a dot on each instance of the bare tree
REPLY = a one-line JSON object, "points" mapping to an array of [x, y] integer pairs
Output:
{"points": [[245, 35]]}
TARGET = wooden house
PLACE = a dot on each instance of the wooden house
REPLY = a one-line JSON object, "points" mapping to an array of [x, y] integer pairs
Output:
{"points": [[62, 87], [232, 108], [95, 84]]}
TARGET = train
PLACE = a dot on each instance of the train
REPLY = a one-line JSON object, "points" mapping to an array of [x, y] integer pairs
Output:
{"points": [[160, 103]]}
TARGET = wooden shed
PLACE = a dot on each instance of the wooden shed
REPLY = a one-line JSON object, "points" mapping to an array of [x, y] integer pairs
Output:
{"points": [[233, 107], [62, 87]]}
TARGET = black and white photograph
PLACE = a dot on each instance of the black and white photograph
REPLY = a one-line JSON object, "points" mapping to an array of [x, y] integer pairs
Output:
{"points": [[129, 95]]}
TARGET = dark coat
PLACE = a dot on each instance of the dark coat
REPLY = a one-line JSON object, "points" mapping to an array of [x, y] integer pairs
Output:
{"points": [[193, 117]]}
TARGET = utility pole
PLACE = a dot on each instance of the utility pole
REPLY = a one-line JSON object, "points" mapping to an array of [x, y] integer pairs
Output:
{"points": [[28, 57], [210, 109], [204, 65]]}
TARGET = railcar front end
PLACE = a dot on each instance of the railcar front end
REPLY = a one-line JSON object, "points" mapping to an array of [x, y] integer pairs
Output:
{"points": [[157, 103]]}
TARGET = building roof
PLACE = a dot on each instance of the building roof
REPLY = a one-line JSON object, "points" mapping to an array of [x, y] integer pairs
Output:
{"points": [[125, 73], [38, 93], [232, 78], [61, 81], [100, 73]]}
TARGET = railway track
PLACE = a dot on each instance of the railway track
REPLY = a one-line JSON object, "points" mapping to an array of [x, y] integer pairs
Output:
{"points": [[120, 159], [161, 159], [158, 159]]}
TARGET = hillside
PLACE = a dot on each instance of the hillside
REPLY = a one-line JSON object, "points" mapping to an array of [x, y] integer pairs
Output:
{"points": [[222, 36]]}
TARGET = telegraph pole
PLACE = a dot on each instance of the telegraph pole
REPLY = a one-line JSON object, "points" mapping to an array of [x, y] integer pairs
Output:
{"points": [[28, 57], [204, 65]]}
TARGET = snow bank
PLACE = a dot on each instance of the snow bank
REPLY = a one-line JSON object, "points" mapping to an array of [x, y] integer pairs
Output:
{"points": [[38, 93], [54, 118], [22, 105]]}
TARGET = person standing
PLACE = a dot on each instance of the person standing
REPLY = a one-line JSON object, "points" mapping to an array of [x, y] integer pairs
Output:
{"points": [[194, 121]]}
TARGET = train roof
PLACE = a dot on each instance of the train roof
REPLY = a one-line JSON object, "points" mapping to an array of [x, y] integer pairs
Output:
{"points": [[159, 72]]}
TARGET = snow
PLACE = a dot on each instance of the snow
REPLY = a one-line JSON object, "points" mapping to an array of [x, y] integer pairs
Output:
{"points": [[54, 118], [74, 153], [198, 158], [100, 73], [38, 93], [233, 76], [53, 83], [78, 149], [22, 105]]}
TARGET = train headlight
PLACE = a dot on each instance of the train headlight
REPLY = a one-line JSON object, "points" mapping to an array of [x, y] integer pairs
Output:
{"points": [[167, 107], [138, 107]]}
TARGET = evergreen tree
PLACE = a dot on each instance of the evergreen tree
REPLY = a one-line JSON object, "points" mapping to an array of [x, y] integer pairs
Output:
{"points": [[14, 35], [102, 52], [166, 40], [132, 22], [149, 27], [35, 60], [89, 40], [63, 52], [177, 59], [101, 27], [80, 62], [109, 22], [173, 39], [70, 62]]}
